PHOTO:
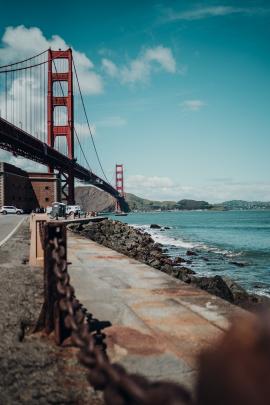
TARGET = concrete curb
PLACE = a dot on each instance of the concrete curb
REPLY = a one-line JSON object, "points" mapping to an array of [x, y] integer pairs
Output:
{"points": [[2, 242]]}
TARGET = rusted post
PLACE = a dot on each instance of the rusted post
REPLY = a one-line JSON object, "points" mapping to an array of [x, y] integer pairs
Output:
{"points": [[53, 317]]}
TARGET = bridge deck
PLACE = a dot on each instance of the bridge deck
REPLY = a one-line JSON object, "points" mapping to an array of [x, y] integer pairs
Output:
{"points": [[159, 323]]}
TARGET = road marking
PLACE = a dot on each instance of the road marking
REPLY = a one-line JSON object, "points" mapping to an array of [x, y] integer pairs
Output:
{"points": [[11, 233]]}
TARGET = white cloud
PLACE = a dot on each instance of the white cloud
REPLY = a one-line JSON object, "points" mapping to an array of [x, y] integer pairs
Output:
{"points": [[22, 163], [192, 105], [21, 42], [150, 183], [140, 68], [111, 122], [163, 56], [215, 11], [109, 67], [164, 188], [83, 130]]}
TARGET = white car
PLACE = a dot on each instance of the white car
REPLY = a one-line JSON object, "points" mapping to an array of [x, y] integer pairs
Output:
{"points": [[9, 209], [48, 210], [73, 209]]}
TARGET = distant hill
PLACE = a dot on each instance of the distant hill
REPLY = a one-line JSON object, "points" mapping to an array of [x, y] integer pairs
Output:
{"points": [[193, 205], [242, 205], [93, 199], [142, 204]]}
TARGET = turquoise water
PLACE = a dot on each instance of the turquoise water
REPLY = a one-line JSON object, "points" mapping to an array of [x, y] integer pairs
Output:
{"points": [[218, 238]]}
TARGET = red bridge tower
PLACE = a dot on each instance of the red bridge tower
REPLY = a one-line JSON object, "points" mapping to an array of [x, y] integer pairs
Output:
{"points": [[119, 184], [66, 130]]}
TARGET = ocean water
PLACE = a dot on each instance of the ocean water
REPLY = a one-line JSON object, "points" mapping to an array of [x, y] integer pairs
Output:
{"points": [[223, 241]]}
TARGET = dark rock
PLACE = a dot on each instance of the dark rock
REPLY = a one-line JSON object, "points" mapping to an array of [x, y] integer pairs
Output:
{"points": [[191, 253], [167, 227], [239, 294], [178, 260], [214, 285], [76, 227], [155, 263], [156, 253], [168, 261], [183, 273], [167, 269], [155, 226], [239, 264]]}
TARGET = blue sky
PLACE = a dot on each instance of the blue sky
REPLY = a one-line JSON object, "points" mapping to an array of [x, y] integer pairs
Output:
{"points": [[177, 91]]}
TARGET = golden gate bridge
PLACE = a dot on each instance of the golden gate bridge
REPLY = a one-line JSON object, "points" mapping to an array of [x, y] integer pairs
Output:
{"points": [[43, 118]]}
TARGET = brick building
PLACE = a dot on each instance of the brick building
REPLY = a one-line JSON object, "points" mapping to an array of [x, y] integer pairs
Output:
{"points": [[46, 187], [27, 190]]}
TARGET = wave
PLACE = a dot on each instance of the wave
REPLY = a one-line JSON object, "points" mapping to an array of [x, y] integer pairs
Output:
{"points": [[263, 292], [164, 239], [169, 241]]}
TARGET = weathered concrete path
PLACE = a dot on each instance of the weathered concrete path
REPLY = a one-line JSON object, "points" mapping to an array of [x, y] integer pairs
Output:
{"points": [[7, 225], [160, 324]]}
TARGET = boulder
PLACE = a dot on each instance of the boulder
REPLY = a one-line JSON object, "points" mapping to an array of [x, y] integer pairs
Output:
{"points": [[156, 253], [167, 269], [183, 273], [214, 285], [178, 260], [239, 264], [239, 294], [75, 227], [155, 226], [155, 263], [191, 253]]}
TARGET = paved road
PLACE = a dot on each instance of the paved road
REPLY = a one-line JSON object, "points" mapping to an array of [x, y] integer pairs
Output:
{"points": [[7, 224], [159, 323]]}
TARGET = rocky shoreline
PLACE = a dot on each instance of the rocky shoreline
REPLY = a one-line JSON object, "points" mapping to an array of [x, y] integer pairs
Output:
{"points": [[140, 246]]}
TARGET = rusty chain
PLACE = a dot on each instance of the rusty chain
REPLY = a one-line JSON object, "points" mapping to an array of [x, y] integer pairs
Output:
{"points": [[119, 387]]}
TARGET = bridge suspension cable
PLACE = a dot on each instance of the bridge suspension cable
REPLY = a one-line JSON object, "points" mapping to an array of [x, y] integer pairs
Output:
{"points": [[76, 134], [87, 121], [23, 101], [23, 94], [25, 60]]}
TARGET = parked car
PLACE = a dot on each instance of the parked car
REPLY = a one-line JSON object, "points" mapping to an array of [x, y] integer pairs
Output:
{"points": [[9, 209], [73, 209], [48, 210]]}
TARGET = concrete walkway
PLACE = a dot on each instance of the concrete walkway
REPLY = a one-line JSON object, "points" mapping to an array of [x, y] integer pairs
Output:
{"points": [[9, 223], [160, 324]]}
